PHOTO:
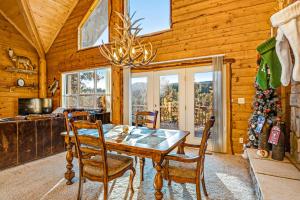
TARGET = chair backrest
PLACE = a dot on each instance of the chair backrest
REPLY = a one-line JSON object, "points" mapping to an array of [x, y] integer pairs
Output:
{"points": [[85, 144], [142, 118], [203, 145], [73, 116]]}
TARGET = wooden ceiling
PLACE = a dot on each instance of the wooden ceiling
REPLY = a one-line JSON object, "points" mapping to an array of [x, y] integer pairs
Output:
{"points": [[39, 21]]}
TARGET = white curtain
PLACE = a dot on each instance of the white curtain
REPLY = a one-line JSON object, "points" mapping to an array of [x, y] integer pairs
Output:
{"points": [[127, 96], [218, 102]]}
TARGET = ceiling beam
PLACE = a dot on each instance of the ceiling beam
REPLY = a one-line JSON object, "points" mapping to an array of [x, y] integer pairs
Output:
{"points": [[25, 10], [18, 29]]}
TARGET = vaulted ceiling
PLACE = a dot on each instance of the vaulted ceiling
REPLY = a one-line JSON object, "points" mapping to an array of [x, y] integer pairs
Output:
{"points": [[39, 21]]}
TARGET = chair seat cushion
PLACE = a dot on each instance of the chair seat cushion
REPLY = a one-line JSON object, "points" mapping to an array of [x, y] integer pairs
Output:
{"points": [[115, 164], [181, 169]]}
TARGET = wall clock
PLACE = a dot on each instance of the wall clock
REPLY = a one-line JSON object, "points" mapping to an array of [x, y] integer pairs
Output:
{"points": [[20, 82]]}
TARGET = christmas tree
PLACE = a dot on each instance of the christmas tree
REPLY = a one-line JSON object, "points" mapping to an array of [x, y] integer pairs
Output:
{"points": [[267, 106]]}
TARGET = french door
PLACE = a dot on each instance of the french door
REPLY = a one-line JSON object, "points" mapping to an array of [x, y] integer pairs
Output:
{"points": [[199, 98], [183, 98]]}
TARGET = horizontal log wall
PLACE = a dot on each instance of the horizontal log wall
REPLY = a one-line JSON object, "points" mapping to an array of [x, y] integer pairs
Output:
{"points": [[199, 28], [11, 38]]}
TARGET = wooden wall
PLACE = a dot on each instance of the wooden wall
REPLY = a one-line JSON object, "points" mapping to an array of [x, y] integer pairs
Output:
{"points": [[10, 38], [199, 28]]}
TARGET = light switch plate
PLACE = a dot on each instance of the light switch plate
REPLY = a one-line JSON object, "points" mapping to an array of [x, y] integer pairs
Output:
{"points": [[241, 101], [241, 140]]}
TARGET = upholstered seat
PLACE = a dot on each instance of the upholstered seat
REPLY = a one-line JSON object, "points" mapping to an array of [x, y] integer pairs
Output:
{"points": [[181, 169], [115, 164]]}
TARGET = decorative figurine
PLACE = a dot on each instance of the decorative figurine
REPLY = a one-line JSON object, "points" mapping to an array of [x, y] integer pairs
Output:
{"points": [[20, 60], [102, 103], [263, 145], [53, 87]]}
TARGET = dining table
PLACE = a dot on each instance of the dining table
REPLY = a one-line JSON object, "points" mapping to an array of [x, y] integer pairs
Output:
{"points": [[142, 142]]}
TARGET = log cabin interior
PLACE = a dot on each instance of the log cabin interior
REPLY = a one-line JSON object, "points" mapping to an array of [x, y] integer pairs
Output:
{"points": [[149, 99]]}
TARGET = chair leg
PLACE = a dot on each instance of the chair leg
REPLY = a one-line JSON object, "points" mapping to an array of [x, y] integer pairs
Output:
{"points": [[79, 194], [105, 188], [142, 163], [203, 186], [131, 178], [135, 159], [169, 182], [198, 191]]}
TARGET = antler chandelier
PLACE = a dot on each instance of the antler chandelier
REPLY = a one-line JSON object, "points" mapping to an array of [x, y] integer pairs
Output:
{"points": [[127, 50]]}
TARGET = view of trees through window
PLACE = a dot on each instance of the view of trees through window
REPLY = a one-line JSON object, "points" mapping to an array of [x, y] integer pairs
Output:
{"points": [[83, 89], [169, 99], [169, 107], [139, 95], [203, 90], [94, 29]]}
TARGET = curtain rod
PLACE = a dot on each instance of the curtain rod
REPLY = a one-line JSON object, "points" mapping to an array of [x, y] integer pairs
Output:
{"points": [[185, 59]]}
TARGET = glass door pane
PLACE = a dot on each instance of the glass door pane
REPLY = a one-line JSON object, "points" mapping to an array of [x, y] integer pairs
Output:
{"points": [[203, 100], [199, 101], [169, 101], [139, 94]]}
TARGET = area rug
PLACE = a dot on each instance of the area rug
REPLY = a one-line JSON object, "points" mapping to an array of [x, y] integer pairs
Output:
{"points": [[226, 177]]}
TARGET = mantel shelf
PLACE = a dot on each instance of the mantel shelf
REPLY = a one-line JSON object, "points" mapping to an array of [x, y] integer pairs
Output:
{"points": [[12, 88], [23, 71]]}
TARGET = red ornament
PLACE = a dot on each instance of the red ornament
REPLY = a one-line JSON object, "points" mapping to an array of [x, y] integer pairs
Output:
{"points": [[267, 110]]}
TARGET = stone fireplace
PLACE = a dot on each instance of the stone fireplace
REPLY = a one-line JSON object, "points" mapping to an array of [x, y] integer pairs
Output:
{"points": [[295, 121]]}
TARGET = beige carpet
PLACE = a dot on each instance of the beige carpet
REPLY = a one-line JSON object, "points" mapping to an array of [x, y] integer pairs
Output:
{"points": [[227, 178]]}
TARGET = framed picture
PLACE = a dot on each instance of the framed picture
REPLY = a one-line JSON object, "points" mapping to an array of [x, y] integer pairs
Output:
{"points": [[260, 124]]}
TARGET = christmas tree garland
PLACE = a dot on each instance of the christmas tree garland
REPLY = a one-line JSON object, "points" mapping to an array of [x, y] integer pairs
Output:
{"points": [[266, 107]]}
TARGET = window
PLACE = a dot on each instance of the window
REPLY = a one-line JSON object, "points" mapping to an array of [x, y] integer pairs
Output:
{"points": [[156, 14], [83, 89], [94, 27]]}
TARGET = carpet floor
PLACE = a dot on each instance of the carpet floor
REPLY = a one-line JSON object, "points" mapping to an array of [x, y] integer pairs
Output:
{"points": [[226, 178]]}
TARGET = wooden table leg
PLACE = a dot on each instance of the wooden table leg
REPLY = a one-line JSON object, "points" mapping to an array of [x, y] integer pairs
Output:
{"points": [[142, 165], [180, 149], [69, 175], [158, 180]]}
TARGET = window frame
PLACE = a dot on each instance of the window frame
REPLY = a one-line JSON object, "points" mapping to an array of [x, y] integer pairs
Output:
{"points": [[126, 9], [85, 18], [94, 94]]}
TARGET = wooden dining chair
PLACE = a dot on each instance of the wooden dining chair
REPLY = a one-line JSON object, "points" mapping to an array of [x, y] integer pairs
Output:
{"points": [[103, 167], [69, 118], [73, 116], [183, 168], [143, 118]]}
